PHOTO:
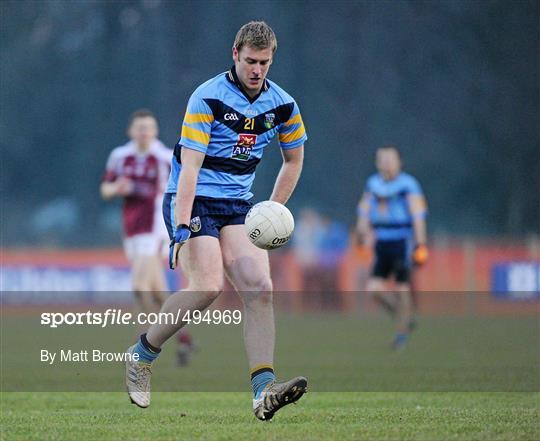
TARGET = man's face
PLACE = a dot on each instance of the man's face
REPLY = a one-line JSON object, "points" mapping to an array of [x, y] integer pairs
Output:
{"points": [[251, 67], [388, 163], [143, 130]]}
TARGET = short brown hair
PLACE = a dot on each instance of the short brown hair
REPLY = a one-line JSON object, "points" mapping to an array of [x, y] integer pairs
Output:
{"points": [[390, 147], [141, 113], [256, 34]]}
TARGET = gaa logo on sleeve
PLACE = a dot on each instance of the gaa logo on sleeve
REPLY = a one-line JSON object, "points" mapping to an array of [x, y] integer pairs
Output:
{"points": [[244, 146]]}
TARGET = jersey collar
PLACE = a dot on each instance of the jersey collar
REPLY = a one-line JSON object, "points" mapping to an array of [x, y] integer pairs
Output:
{"points": [[390, 180], [233, 78]]}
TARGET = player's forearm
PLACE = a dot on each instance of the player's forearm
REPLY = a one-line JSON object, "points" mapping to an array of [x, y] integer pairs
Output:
{"points": [[187, 186], [362, 226], [191, 161], [287, 179], [364, 231], [420, 234]]}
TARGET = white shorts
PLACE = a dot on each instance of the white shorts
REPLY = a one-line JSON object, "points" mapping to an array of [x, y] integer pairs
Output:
{"points": [[146, 244]]}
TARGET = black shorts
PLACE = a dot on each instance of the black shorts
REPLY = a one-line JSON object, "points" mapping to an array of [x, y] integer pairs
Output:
{"points": [[208, 216], [392, 257]]}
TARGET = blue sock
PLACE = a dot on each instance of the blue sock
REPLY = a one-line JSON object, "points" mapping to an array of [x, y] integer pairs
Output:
{"points": [[147, 352], [260, 378], [400, 338]]}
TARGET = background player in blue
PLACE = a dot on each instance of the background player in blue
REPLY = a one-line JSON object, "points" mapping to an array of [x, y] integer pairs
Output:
{"points": [[391, 218], [229, 121]]}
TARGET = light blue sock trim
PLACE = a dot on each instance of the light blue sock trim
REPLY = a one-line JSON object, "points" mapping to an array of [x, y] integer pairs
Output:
{"points": [[145, 355], [259, 382]]}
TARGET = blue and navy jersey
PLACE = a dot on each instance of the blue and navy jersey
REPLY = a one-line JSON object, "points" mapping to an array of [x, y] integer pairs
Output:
{"points": [[389, 211], [232, 130]]}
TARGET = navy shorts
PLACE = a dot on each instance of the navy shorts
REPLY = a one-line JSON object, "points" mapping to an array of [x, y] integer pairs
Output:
{"points": [[208, 216], [392, 257]]}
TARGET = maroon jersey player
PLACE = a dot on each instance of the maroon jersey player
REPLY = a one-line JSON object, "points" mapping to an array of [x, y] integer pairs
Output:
{"points": [[137, 172]]}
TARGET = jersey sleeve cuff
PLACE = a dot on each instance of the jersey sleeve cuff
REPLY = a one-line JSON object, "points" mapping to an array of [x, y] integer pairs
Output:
{"points": [[293, 145], [191, 146]]}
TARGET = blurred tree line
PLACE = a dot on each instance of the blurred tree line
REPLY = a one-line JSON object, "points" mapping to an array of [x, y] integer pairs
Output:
{"points": [[453, 83]]}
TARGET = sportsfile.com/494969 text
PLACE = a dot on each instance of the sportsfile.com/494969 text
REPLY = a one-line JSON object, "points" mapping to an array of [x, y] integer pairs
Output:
{"points": [[112, 317]]}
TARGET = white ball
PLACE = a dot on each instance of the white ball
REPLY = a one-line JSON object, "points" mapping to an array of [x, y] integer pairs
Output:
{"points": [[269, 225]]}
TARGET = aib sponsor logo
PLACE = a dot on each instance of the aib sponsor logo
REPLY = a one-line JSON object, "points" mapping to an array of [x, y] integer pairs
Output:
{"points": [[244, 146]]}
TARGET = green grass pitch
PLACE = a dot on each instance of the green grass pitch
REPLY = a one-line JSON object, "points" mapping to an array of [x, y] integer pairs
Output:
{"points": [[460, 379], [227, 416]]}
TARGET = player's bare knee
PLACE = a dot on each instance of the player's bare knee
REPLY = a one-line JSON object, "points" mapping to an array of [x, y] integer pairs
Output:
{"points": [[159, 297], [403, 288], [140, 285], [140, 280], [254, 299], [208, 287], [375, 287], [259, 285], [212, 293], [141, 295], [251, 279]]}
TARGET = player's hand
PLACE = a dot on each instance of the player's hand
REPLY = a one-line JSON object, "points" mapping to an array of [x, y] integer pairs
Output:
{"points": [[124, 186], [180, 238], [420, 255]]}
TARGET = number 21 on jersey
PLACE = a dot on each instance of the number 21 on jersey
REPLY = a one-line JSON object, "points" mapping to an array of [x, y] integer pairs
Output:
{"points": [[249, 124]]}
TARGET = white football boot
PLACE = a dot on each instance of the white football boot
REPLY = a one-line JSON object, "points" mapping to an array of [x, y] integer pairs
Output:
{"points": [[138, 380], [276, 395]]}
